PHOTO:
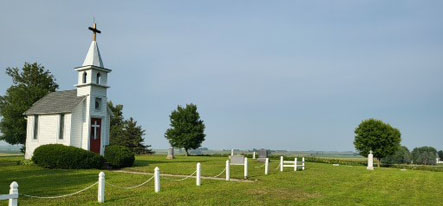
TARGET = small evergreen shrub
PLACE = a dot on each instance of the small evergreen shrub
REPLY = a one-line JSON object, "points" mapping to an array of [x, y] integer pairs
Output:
{"points": [[57, 156], [119, 156]]}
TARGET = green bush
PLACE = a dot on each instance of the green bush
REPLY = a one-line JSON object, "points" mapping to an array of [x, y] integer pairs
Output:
{"points": [[119, 156], [66, 157], [424, 155], [401, 156]]}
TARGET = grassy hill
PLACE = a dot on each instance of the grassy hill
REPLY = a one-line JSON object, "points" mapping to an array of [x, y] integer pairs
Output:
{"points": [[319, 184]]}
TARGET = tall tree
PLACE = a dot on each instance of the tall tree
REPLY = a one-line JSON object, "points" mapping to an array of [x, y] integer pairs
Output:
{"points": [[377, 136], [117, 124], [30, 83], [187, 129], [134, 134], [126, 132]]}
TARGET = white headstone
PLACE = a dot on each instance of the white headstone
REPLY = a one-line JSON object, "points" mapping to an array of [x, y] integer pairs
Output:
{"points": [[170, 154], [232, 152], [370, 161], [237, 160]]}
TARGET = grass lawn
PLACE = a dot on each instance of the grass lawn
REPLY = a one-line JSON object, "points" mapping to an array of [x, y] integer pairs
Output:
{"points": [[319, 184]]}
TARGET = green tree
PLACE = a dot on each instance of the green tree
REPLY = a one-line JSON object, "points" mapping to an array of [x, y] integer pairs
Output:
{"points": [[440, 155], [424, 155], [126, 132], [377, 136], [401, 156], [134, 135], [117, 124], [187, 129], [30, 84]]}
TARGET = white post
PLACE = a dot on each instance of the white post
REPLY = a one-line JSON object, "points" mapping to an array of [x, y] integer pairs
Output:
{"points": [[157, 179], [246, 168], [198, 179], [281, 163], [13, 189], [232, 152], [295, 164], [228, 171], [101, 187], [266, 166], [303, 163], [253, 155]]}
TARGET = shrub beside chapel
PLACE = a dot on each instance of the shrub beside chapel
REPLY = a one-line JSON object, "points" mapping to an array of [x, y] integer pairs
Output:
{"points": [[57, 156]]}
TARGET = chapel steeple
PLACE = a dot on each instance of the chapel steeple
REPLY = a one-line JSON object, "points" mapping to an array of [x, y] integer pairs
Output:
{"points": [[93, 57], [92, 75]]}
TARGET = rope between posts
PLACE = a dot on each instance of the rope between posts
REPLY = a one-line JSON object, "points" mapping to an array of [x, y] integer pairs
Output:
{"points": [[132, 187], [259, 166], [186, 177], [220, 173], [60, 196], [278, 167]]}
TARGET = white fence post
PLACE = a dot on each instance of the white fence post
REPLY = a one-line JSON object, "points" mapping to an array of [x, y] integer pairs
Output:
{"points": [[228, 171], [198, 179], [295, 164], [13, 189], [266, 166], [281, 163], [253, 155], [157, 179], [303, 163], [246, 168], [101, 187]]}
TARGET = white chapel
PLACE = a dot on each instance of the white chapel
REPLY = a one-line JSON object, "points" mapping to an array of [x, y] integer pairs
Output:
{"points": [[78, 117]]}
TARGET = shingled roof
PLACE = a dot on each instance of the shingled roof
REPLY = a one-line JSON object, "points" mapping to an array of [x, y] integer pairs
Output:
{"points": [[56, 103]]}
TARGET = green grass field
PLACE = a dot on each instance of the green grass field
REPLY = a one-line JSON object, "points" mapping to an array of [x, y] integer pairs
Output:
{"points": [[319, 184]]}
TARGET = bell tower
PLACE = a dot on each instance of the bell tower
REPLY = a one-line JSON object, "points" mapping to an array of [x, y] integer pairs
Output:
{"points": [[93, 83]]}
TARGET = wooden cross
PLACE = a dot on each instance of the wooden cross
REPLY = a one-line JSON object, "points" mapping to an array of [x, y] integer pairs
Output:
{"points": [[95, 31], [95, 126]]}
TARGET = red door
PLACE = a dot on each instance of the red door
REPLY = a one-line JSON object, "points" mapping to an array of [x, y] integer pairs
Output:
{"points": [[96, 134]]}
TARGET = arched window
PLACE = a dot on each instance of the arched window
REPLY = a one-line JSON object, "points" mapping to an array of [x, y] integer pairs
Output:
{"points": [[84, 77], [98, 78]]}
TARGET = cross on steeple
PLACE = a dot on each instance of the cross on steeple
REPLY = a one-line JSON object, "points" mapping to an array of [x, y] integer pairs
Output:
{"points": [[95, 31]]}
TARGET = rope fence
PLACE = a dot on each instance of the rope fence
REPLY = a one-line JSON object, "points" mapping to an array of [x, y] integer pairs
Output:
{"points": [[14, 194], [220, 173], [132, 187], [60, 196]]}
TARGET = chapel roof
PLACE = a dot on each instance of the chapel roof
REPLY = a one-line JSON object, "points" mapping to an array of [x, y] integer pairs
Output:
{"points": [[56, 103]]}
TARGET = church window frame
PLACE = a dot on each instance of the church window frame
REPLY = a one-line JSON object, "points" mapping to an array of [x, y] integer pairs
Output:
{"points": [[98, 103], [35, 127], [61, 127], [98, 78], [85, 76]]}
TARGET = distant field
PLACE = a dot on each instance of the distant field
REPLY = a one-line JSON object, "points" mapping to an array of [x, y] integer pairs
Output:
{"points": [[319, 184]]}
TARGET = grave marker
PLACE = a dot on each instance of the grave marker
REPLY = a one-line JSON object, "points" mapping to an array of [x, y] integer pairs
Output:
{"points": [[170, 154], [262, 155], [237, 160], [370, 161]]}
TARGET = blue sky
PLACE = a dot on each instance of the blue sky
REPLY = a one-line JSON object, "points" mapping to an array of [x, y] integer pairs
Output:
{"points": [[297, 75]]}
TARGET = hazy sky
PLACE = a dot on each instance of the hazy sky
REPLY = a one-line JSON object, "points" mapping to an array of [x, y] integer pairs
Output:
{"points": [[298, 75]]}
